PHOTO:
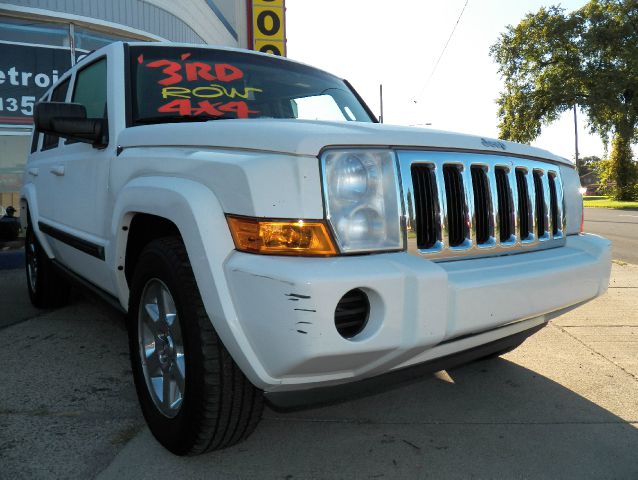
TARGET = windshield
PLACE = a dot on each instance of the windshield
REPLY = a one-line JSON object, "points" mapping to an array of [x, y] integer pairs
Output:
{"points": [[173, 84]]}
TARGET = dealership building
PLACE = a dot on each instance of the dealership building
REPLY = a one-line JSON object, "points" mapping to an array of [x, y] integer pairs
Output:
{"points": [[40, 39]]}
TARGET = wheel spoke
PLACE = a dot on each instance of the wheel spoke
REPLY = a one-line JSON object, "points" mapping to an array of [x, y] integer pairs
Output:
{"points": [[153, 363], [157, 384], [170, 319], [161, 303], [166, 389], [175, 330], [150, 321], [178, 370], [168, 303], [152, 308], [176, 403], [152, 311]]}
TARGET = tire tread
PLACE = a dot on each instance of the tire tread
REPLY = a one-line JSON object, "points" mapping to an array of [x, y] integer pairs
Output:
{"points": [[231, 407]]}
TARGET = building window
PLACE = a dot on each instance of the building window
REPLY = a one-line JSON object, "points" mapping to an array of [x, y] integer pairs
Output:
{"points": [[88, 40], [14, 152], [31, 31]]}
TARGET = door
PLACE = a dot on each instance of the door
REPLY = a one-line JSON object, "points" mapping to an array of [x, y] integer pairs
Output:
{"points": [[42, 163], [78, 220]]}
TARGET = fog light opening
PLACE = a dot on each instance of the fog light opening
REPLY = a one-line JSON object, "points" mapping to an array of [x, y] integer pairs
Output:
{"points": [[352, 313]]}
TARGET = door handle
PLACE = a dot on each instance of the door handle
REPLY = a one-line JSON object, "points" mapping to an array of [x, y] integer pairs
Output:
{"points": [[58, 170], [33, 172]]}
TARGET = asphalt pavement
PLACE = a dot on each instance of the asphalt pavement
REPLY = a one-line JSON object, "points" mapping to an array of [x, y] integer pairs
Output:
{"points": [[619, 226]]}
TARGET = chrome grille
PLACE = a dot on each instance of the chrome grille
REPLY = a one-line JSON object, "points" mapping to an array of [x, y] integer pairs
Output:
{"points": [[467, 204]]}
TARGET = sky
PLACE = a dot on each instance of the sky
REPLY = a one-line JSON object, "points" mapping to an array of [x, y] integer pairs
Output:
{"points": [[397, 44]]}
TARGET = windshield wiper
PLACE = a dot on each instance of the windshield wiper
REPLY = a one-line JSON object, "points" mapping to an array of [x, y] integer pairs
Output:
{"points": [[177, 119]]}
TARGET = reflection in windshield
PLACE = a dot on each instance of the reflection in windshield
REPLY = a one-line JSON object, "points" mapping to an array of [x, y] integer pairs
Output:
{"points": [[189, 84]]}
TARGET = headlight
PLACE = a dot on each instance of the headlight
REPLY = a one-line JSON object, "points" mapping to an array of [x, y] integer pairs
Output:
{"points": [[362, 199], [351, 183]]}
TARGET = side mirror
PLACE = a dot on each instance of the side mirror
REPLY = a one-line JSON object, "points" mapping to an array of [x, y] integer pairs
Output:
{"points": [[68, 120]]}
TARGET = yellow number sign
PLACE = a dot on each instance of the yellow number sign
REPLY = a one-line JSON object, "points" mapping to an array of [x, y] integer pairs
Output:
{"points": [[268, 26]]}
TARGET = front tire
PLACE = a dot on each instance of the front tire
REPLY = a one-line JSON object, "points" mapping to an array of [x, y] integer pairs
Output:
{"points": [[192, 394]]}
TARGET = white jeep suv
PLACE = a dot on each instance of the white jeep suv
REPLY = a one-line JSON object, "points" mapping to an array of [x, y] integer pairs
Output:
{"points": [[266, 237]]}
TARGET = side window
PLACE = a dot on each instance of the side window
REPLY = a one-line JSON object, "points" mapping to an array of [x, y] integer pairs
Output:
{"points": [[90, 89], [58, 95]]}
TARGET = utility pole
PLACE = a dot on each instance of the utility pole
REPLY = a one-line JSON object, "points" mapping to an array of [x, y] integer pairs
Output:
{"points": [[576, 140], [381, 102]]}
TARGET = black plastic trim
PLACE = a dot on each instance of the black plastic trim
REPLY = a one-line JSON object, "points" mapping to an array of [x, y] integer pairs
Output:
{"points": [[300, 399], [373, 117], [524, 207], [482, 205], [89, 248], [504, 197], [127, 85], [456, 208], [425, 201]]}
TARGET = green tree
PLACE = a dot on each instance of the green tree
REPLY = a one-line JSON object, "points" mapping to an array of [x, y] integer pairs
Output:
{"points": [[588, 170], [553, 60]]}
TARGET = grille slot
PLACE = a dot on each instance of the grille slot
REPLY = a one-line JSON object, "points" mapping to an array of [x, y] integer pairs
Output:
{"points": [[482, 208], [456, 212], [425, 202], [461, 205], [523, 205], [351, 313], [553, 202], [540, 204], [504, 205]]}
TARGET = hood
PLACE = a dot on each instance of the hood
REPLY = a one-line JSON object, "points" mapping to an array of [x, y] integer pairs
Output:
{"points": [[308, 138]]}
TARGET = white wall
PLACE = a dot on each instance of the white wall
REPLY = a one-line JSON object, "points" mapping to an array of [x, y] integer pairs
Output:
{"points": [[201, 18]]}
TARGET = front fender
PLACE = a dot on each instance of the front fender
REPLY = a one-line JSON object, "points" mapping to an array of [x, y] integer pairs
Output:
{"points": [[198, 215]]}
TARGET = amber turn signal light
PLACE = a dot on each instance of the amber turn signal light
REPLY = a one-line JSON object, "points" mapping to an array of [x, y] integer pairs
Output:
{"points": [[281, 237]]}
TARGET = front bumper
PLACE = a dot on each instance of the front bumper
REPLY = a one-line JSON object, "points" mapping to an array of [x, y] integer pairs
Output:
{"points": [[420, 310], [312, 397]]}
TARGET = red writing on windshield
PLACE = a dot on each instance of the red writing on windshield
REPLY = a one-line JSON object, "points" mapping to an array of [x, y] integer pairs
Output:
{"points": [[205, 107], [194, 71], [187, 72]]}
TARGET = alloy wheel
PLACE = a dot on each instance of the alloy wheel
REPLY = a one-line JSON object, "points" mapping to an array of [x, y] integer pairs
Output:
{"points": [[161, 348]]}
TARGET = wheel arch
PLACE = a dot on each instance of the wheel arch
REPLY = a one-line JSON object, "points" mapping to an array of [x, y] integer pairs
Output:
{"points": [[144, 228], [184, 207]]}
